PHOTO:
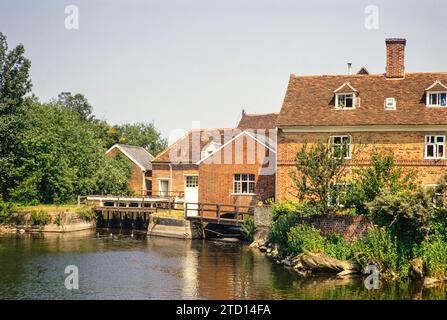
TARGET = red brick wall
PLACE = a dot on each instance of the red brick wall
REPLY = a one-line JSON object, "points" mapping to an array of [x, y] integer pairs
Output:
{"points": [[350, 227], [408, 148], [176, 181], [216, 175]]}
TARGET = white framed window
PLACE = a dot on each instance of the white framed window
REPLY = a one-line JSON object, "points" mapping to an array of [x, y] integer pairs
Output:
{"points": [[436, 99], [345, 100], [434, 147], [244, 183], [390, 104], [341, 146], [192, 181]]}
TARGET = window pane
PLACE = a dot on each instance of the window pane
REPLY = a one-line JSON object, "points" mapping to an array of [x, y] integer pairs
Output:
{"points": [[349, 101], [443, 99], [244, 177], [252, 177], [244, 187], [237, 177], [251, 186], [430, 151], [440, 139], [440, 151], [433, 98]]}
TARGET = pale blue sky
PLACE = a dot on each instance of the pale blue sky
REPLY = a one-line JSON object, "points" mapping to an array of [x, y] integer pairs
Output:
{"points": [[178, 61]]}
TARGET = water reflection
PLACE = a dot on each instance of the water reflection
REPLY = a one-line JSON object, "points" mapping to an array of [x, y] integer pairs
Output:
{"points": [[121, 267]]}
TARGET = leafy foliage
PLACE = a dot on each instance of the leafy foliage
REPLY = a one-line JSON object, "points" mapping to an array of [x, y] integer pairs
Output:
{"points": [[144, 135], [317, 170], [40, 218], [305, 238], [86, 213], [382, 175], [434, 255], [408, 214], [6, 208], [378, 248], [248, 229]]}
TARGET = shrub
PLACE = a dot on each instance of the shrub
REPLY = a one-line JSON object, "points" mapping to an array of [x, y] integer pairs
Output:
{"points": [[434, 254], [283, 207], [408, 214], [305, 238], [382, 175], [317, 169], [248, 229], [379, 248], [6, 209], [337, 247], [281, 227], [40, 218], [86, 213]]}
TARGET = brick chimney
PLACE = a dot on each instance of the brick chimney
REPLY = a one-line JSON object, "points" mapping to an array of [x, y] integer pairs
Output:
{"points": [[395, 58]]}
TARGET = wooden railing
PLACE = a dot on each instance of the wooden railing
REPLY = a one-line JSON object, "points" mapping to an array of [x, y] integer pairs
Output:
{"points": [[218, 213]]}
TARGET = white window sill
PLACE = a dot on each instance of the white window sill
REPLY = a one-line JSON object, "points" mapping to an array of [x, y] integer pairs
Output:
{"points": [[434, 158], [243, 194], [338, 108], [435, 106]]}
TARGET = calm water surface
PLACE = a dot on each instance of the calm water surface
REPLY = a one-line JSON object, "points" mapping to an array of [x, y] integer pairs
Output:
{"points": [[32, 267]]}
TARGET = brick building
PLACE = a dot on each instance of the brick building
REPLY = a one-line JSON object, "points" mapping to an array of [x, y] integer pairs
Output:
{"points": [[398, 111], [140, 182], [230, 166]]}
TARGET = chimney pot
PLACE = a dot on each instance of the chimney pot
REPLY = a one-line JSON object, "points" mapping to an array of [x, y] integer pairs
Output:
{"points": [[395, 58], [349, 68]]}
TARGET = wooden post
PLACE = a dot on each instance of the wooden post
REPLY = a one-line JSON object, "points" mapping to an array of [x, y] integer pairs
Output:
{"points": [[79, 201]]}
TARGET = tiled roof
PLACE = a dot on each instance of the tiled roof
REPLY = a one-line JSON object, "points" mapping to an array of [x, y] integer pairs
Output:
{"points": [[188, 149], [137, 154], [258, 121], [310, 101]]}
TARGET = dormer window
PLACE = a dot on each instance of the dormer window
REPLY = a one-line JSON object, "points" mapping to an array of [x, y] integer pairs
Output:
{"points": [[346, 97], [436, 95], [345, 100]]}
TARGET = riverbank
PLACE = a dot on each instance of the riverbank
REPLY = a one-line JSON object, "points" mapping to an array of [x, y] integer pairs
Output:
{"points": [[145, 267]]}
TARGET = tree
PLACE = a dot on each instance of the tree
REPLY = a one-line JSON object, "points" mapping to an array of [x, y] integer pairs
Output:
{"points": [[317, 170], [15, 84], [77, 103], [62, 158], [381, 175], [144, 135]]}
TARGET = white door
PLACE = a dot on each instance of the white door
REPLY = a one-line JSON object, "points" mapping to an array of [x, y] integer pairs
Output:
{"points": [[164, 188], [192, 194]]}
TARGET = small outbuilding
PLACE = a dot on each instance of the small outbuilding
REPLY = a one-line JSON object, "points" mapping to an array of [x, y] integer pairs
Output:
{"points": [[140, 183]]}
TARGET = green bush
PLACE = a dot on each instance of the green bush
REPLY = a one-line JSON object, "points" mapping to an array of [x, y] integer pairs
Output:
{"points": [[408, 214], [336, 247], [281, 227], [305, 238], [283, 208], [40, 218], [6, 208], [379, 248], [86, 213], [248, 229], [370, 181], [434, 254]]}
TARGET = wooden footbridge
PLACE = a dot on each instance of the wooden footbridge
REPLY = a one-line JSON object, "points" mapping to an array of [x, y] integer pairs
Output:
{"points": [[224, 214], [135, 211]]}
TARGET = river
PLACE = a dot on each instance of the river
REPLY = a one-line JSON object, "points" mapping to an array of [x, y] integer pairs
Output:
{"points": [[32, 266]]}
